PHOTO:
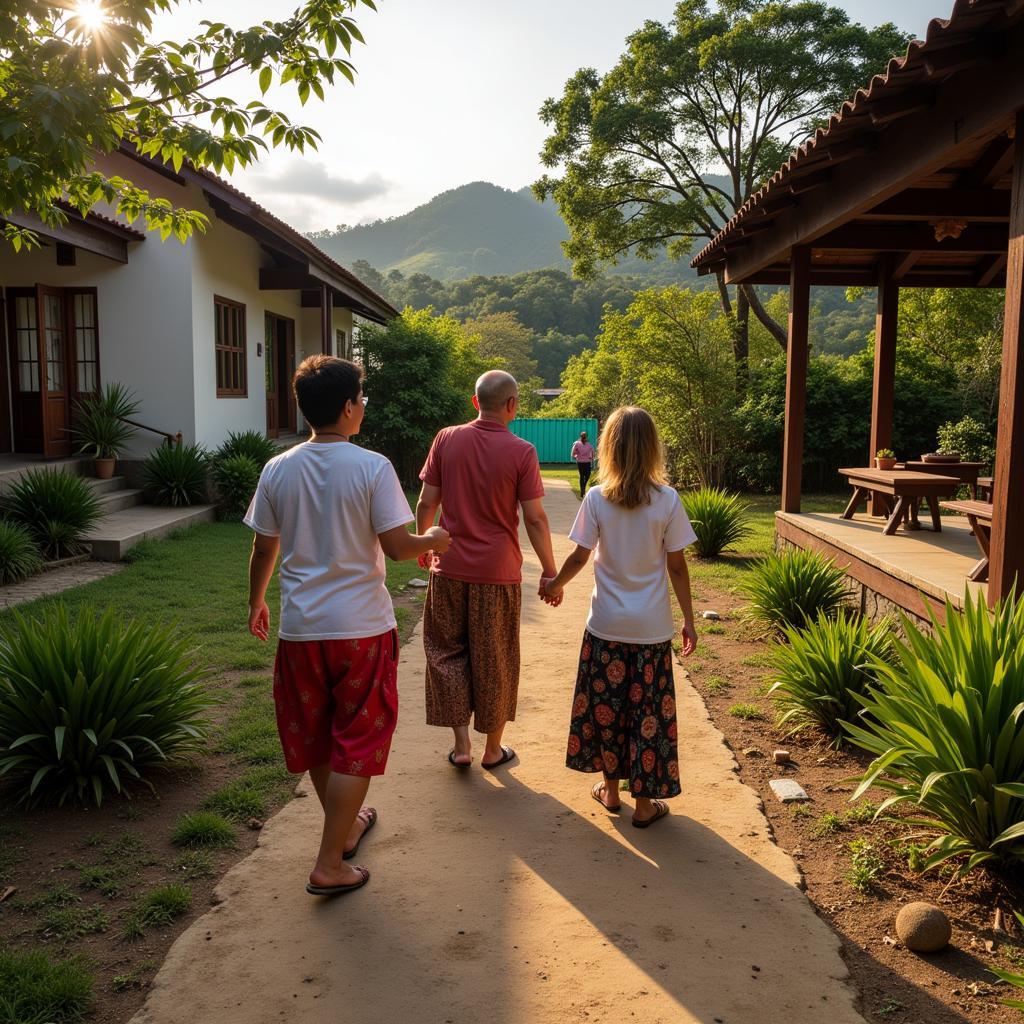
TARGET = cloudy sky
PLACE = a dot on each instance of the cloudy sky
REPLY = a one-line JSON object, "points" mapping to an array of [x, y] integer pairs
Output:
{"points": [[447, 92]]}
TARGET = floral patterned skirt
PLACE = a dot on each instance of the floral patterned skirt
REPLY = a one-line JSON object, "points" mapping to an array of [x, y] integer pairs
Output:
{"points": [[624, 715]]}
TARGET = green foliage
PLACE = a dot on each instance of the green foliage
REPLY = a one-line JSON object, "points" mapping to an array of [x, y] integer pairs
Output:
{"points": [[828, 825], [861, 813], [237, 801], [176, 475], [55, 506], [19, 556], [67, 923], [159, 907], [747, 711], [73, 89], [203, 829], [969, 439], [235, 478], [256, 445], [98, 421], [86, 706], [794, 588], [823, 669], [719, 519], [865, 865], [945, 727], [195, 864], [885, 453], [426, 366], [37, 990], [716, 684]]}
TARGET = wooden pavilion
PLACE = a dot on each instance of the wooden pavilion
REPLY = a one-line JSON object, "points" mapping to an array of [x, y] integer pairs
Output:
{"points": [[916, 182]]}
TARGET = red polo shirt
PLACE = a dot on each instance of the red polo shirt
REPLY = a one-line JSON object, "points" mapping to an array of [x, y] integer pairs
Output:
{"points": [[484, 471]]}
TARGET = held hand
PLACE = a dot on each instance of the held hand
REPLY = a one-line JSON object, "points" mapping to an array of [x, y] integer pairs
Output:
{"points": [[259, 621], [689, 634], [547, 594], [440, 540], [426, 560]]}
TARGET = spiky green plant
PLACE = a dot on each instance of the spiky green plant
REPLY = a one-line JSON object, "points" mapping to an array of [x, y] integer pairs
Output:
{"points": [[56, 507], [176, 475], [258, 447], [19, 556], [719, 519], [98, 421], [793, 588], [946, 726], [235, 478], [821, 669], [86, 706]]}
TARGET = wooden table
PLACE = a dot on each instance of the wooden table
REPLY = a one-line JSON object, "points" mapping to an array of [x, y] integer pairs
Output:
{"points": [[979, 515], [965, 472], [985, 488], [906, 487]]}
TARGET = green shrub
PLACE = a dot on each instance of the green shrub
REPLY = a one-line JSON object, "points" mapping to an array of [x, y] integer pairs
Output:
{"points": [[56, 507], [37, 990], [176, 475], [158, 907], [823, 669], [235, 478], [86, 705], [946, 729], [719, 519], [969, 439], [794, 588], [19, 556], [98, 422], [865, 865], [251, 443], [203, 828]]}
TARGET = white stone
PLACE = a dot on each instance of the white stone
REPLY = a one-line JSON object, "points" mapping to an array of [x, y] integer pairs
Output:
{"points": [[711, 615], [788, 790], [418, 583]]}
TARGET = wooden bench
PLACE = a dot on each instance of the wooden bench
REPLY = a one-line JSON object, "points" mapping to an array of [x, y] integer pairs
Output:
{"points": [[906, 488], [979, 515]]}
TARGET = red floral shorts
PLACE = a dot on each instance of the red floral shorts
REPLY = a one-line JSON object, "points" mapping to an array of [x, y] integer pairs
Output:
{"points": [[337, 702]]}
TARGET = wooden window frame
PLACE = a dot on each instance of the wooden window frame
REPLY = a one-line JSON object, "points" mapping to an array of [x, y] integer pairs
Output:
{"points": [[232, 350]]}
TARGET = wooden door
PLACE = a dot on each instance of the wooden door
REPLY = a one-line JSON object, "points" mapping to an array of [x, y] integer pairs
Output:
{"points": [[272, 373], [286, 347], [53, 373], [26, 391]]}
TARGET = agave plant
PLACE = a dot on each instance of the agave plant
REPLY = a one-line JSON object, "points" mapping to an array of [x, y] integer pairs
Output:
{"points": [[719, 519], [176, 475], [235, 478], [87, 706], [819, 673], [98, 422], [19, 556], [946, 726], [793, 588], [258, 447], [56, 507]]}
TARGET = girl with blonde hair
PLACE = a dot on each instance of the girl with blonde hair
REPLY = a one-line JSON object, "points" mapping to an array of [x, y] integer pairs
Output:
{"points": [[623, 720]]}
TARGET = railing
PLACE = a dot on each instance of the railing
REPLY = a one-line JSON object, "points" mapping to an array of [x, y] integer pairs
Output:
{"points": [[172, 440]]}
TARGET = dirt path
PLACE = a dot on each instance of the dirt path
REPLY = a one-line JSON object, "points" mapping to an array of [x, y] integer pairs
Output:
{"points": [[512, 898]]}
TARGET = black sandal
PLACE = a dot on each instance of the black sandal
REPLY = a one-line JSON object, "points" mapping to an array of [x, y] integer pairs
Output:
{"points": [[338, 890], [660, 810], [355, 849], [457, 764], [507, 754]]}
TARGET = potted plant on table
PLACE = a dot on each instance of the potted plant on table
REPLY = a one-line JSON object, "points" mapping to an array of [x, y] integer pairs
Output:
{"points": [[885, 458], [100, 428]]}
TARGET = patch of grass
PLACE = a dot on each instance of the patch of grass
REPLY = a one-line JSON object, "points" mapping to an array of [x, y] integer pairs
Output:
{"points": [[716, 684], [828, 825], [865, 865], [203, 829], [256, 681], [694, 664], [193, 864], [72, 922], [268, 779], [713, 629], [757, 661], [913, 854], [748, 712], [890, 1006], [237, 801], [251, 733], [570, 475], [58, 894], [35, 989], [709, 653], [801, 811], [160, 906], [103, 878], [122, 858], [861, 813], [11, 853], [762, 688]]}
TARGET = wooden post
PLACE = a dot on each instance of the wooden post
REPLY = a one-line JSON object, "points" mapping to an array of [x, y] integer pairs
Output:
{"points": [[1006, 560], [884, 384], [796, 376], [326, 310]]}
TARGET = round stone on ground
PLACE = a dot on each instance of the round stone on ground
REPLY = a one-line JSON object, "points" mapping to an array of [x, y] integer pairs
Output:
{"points": [[923, 928]]}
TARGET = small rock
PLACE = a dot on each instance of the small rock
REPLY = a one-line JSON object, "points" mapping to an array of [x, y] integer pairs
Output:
{"points": [[710, 615], [781, 757], [889, 941], [788, 790], [255, 824], [923, 927], [752, 752], [417, 582]]}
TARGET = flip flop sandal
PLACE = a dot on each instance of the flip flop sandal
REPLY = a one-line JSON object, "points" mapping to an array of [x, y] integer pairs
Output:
{"points": [[595, 793], [355, 849], [660, 810], [457, 764], [338, 890], [507, 754]]}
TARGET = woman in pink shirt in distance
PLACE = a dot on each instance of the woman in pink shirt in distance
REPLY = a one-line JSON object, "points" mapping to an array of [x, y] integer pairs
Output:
{"points": [[583, 456]]}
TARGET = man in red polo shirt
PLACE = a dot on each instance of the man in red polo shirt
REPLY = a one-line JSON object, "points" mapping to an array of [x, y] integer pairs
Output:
{"points": [[479, 474]]}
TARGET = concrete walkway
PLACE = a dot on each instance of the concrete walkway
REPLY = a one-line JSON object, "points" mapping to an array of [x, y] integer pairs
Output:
{"points": [[512, 898]]}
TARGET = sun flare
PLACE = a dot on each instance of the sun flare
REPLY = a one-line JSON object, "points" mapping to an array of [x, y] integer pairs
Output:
{"points": [[90, 15]]}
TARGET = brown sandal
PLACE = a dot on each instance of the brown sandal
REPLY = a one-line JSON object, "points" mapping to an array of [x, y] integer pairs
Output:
{"points": [[594, 792], [338, 890], [660, 810]]}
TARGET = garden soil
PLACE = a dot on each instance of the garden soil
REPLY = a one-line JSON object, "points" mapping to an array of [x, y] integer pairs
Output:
{"points": [[512, 897]]}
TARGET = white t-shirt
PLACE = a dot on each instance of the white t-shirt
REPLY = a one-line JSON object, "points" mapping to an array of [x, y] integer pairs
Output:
{"points": [[630, 602], [327, 502]]}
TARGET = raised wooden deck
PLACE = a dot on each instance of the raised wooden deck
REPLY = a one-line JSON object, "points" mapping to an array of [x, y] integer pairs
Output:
{"points": [[907, 569]]}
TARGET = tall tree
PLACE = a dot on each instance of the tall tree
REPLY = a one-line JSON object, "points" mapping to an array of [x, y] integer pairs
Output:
{"points": [[732, 88], [80, 77]]}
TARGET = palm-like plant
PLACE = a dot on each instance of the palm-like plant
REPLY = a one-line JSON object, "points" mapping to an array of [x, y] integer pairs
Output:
{"points": [[56, 507], [719, 519], [98, 422], [176, 475], [19, 556], [793, 588]]}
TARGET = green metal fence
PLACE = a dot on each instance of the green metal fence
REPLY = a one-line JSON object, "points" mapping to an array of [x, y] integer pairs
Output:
{"points": [[553, 438]]}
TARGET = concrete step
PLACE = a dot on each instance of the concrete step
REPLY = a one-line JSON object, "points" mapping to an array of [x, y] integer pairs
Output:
{"points": [[14, 467], [114, 501], [98, 487], [120, 531]]}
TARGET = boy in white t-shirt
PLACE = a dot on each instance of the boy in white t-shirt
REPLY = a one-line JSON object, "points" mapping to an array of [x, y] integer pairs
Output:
{"points": [[624, 709], [333, 510]]}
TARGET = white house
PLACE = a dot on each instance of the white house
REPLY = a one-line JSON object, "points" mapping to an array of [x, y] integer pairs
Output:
{"points": [[206, 334]]}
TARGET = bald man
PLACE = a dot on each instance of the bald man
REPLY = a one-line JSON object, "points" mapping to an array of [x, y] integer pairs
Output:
{"points": [[480, 474]]}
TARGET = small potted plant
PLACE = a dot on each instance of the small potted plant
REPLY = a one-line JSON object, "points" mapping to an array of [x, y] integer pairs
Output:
{"points": [[885, 458], [100, 428]]}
